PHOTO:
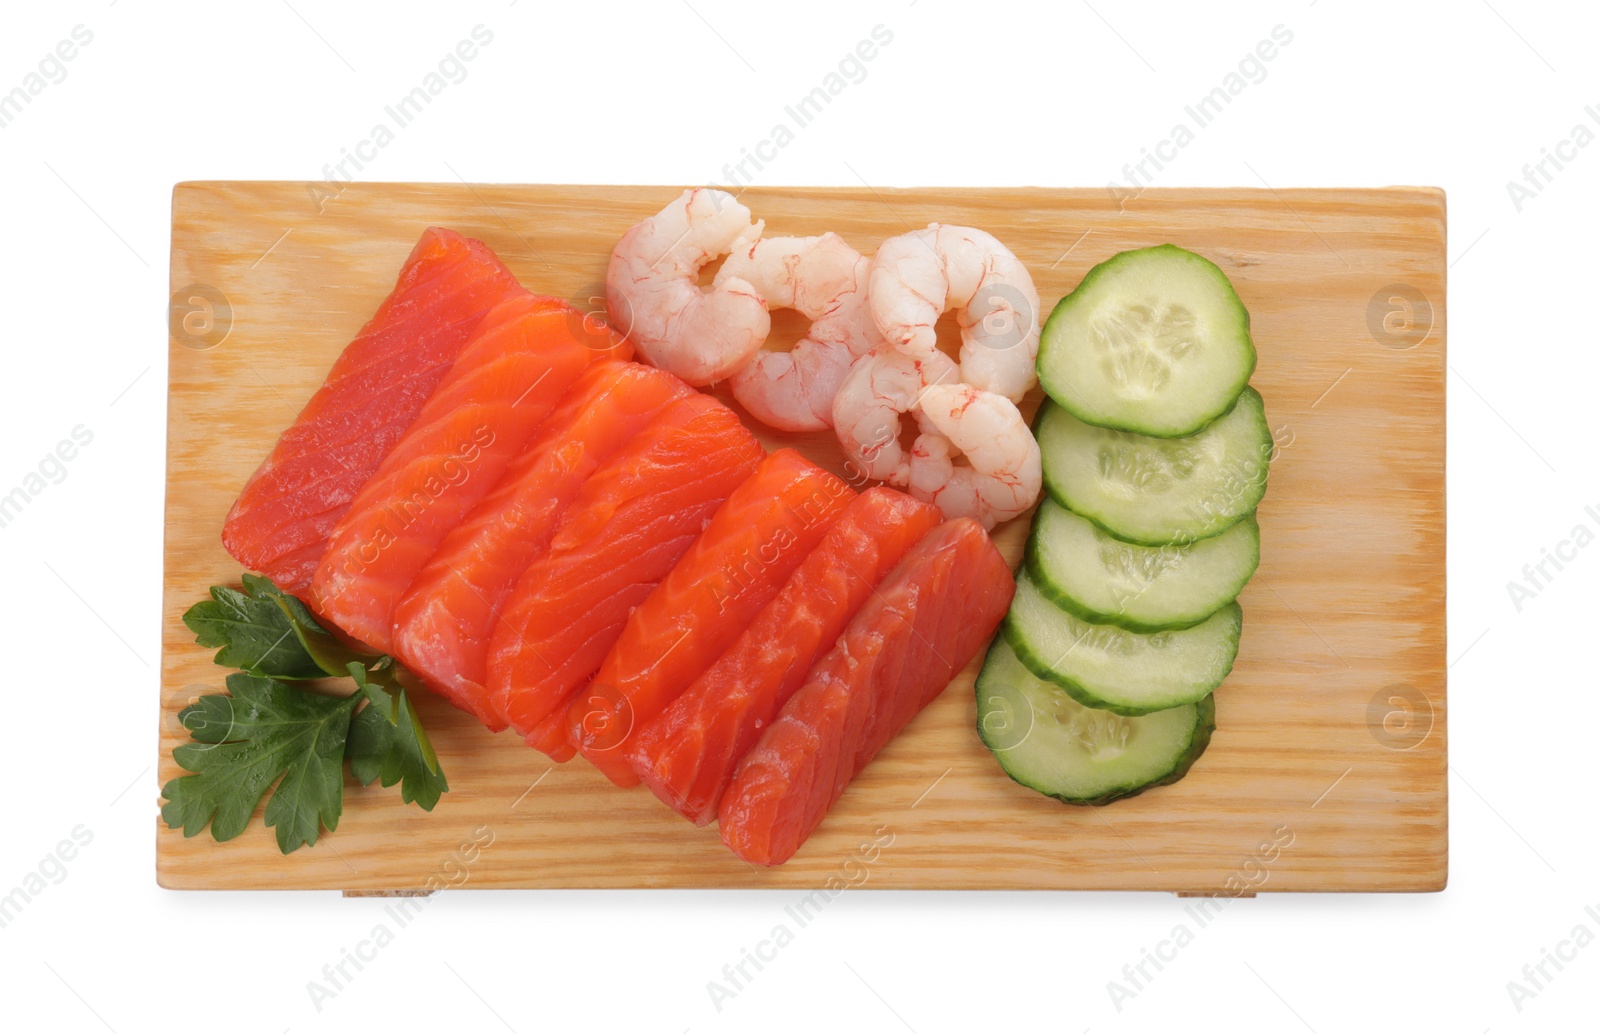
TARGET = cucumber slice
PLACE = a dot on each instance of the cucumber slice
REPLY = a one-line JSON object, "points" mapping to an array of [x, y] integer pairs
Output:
{"points": [[1049, 742], [1156, 491], [1154, 341], [1141, 588], [1117, 670]]}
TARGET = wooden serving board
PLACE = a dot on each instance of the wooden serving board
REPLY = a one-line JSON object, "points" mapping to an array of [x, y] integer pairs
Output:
{"points": [[1327, 771]]}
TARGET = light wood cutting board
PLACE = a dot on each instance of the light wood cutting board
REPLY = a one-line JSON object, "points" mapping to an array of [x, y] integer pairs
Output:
{"points": [[1327, 771]]}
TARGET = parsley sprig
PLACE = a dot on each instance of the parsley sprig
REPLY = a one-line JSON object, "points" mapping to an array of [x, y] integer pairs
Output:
{"points": [[267, 730]]}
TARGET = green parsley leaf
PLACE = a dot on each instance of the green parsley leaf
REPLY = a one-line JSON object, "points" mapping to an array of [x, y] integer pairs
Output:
{"points": [[256, 631], [332, 656], [387, 740], [264, 732], [269, 731]]}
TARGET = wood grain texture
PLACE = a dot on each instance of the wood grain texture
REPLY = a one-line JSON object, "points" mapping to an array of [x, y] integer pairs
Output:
{"points": [[1344, 621]]}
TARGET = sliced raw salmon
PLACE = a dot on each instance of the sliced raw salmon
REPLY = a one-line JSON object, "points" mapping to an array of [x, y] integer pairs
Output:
{"points": [[503, 385], [443, 623], [626, 528], [282, 519], [550, 737], [687, 754], [925, 622], [738, 564]]}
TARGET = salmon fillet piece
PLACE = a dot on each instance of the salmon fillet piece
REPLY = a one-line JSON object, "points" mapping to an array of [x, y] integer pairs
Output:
{"points": [[739, 563], [687, 754], [927, 620], [444, 621], [626, 528], [281, 521], [549, 737], [498, 393]]}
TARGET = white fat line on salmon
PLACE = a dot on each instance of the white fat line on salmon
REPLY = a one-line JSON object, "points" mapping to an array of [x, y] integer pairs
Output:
{"points": [[1250, 875], [1537, 575], [904, 618], [741, 572], [814, 507], [1251, 70], [51, 470], [451, 70], [454, 470], [852, 872], [50, 71], [851, 70], [454, 872]]}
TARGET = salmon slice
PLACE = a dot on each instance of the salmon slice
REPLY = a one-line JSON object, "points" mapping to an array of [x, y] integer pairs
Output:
{"points": [[443, 623], [927, 620], [504, 384], [687, 754], [281, 521], [623, 532], [550, 737], [738, 564]]}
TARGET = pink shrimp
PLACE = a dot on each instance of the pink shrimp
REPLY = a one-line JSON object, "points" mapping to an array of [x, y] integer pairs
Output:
{"points": [[824, 280], [1001, 477], [918, 275], [652, 296], [881, 386]]}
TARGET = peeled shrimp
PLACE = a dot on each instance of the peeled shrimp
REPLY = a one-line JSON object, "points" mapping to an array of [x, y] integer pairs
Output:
{"points": [[917, 276], [1001, 476], [652, 296], [881, 386], [824, 280]]}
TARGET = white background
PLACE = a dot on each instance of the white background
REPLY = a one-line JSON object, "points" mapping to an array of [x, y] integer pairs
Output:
{"points": [[971, 93]]}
